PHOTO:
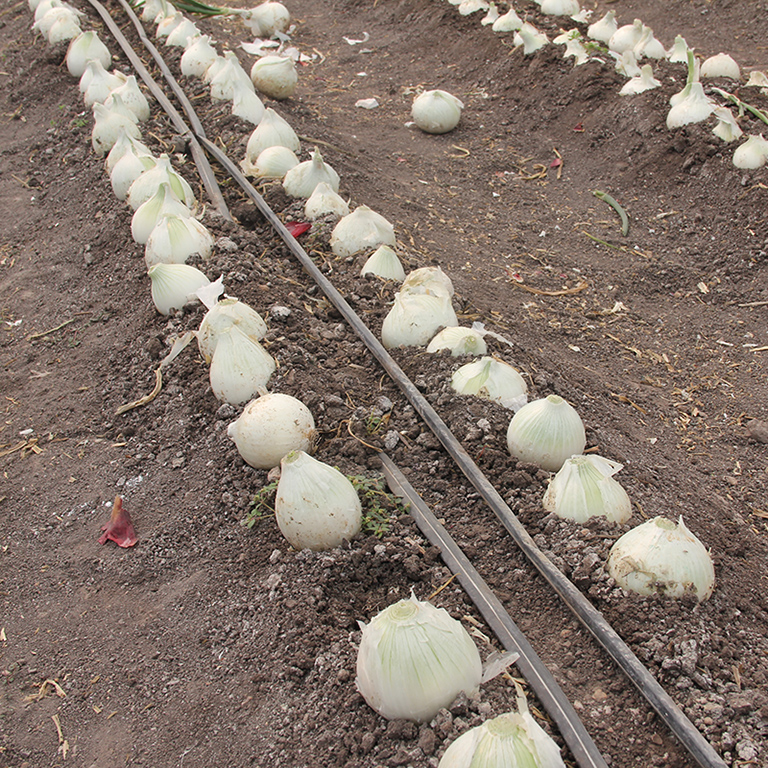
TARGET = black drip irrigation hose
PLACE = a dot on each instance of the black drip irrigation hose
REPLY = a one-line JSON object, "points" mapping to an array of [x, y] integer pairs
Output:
{"points": [[200, 158], [688, 735], [510, 635]]}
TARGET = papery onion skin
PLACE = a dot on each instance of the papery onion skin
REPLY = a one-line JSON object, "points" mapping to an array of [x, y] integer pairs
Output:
{"points": [[546, 432], [414, 659], [270, 427], [316, 507], [660, 556]]}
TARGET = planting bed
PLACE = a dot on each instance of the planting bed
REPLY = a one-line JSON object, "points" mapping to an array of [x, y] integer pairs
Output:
{"points": [[212, 643]]}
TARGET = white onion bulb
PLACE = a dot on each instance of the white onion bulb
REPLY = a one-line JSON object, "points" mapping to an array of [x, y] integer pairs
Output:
{"points": [[247, 105], [493, 380], [316, 507], [174, 285], [175, 238], [124, 143], [752, 154], [132, 97], [146, 216], [240, 367], [659, 556], [274, 162], [183, 34], [84, 48], [228, 77], [268, 18], [511, 740], [220, 317], [436, 111], [198, 56], [361, 229], [271, 131], [275, 76], [721, 65], [96, 83], [130, 166], [302, 179], [414, 659], [415, 318], [270, 427], [603, 29], [107, 124], [149, 182], [508, 22], [325, 202], [459, 340], [430, 280], [584, 488], [546, 432], [383, 263]]}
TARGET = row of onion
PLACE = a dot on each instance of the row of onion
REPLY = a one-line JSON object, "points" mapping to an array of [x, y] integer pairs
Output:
{"points": [[628, 45], [413, 658]]}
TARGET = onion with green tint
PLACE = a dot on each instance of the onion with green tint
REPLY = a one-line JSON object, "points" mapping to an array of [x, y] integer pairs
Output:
{"points": [[584, 488], [511, 740], [414, 659], [493, 380]]}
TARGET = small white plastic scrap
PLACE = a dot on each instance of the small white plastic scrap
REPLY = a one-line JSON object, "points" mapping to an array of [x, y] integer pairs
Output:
{"points": [[351, 41], [367, 103]]}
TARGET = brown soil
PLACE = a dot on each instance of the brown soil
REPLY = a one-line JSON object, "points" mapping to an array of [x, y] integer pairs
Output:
{"points": [[210, 643]]}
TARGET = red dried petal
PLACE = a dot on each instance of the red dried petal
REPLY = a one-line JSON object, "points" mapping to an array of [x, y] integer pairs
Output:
{"points": [[119, 528], [556, 163], [297, 228]]}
